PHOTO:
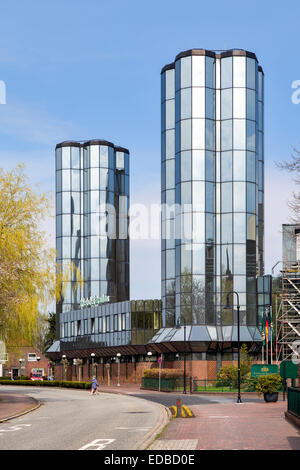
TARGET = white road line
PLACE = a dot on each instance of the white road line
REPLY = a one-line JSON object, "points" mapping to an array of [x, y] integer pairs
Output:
{"points": [[18, 427], [97, 444]]}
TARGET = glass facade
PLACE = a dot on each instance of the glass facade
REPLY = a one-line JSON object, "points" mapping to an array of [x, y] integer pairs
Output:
{"points": [[212, 187], [92, 201], [126, 323]]}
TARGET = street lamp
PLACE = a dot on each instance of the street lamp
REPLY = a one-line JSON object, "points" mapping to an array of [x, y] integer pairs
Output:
{"points": [[118, 356], [178, 326], [64, 360], [20, 361], [228, 306], [38, 360], [93, 357]]}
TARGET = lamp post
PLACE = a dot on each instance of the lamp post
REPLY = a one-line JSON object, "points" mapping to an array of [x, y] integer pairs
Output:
{"points": [[178, 326], [38, 360], [228, 306], [20, 361], [93, 357], [64, 358], [119, 357]]}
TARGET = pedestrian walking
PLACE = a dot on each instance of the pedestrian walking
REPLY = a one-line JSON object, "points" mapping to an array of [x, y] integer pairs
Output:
{"points": [[94, 385]]}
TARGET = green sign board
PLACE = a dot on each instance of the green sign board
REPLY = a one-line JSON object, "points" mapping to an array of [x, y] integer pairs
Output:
{"points": [[257, 370], [288, 370]]}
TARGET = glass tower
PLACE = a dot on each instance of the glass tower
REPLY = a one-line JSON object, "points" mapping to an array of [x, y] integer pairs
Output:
{"points": [[212, 163], [92, 201]]}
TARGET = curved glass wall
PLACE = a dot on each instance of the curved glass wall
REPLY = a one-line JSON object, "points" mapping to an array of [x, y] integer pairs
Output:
{"points": [[92, 193], [218, 186], [168, 193]]}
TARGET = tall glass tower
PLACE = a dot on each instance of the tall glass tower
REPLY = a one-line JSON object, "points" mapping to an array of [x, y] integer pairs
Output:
{"points": [[212, 162], [92, 201]]}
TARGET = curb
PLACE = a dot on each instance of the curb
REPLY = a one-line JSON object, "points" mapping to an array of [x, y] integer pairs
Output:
{"points": [[21, 413], [164, 420]]}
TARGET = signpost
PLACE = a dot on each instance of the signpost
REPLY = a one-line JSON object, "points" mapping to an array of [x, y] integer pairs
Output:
{"points": [[288, 370], [257, 370]]}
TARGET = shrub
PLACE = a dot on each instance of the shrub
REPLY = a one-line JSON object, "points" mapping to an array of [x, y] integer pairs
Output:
{"points": [[164, 374], [268, 383], [48, 383]]}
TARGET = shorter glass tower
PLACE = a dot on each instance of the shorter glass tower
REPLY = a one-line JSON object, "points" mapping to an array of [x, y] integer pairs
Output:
{"points": [[92, 201]]}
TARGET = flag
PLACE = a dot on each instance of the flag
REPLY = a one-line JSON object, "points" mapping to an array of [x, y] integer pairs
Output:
{"points": [[268, 327], [263, 324]]}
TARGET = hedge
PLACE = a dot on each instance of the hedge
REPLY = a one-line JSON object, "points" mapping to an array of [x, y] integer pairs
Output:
{"points": [[48, 383], [164, 373]]}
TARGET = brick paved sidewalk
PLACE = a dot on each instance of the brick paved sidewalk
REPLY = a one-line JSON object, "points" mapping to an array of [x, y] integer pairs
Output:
{"points": [[231, 426], [13, 404]]}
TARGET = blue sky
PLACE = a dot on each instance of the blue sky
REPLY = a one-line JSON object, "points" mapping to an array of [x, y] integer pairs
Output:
{"points": [[81, 70]]}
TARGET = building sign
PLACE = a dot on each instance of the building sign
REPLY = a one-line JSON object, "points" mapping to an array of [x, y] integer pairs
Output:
{"points": [[288, 370], [257, 370], [93, 301]]}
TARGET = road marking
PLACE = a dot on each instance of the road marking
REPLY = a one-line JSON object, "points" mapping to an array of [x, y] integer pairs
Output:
{"points": [[134, 429], [97, 444], [18, 427]]}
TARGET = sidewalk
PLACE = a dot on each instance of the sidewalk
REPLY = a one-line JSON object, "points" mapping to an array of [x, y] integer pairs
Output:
{"points": [[226, 426], [232, 426], [12, 405]]}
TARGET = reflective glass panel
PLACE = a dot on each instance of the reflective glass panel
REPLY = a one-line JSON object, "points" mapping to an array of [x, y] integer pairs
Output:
{"points": [[94, 156], [239, 228], [226, 166], [226, 236], [239, 103], [226, 72], [239, 197], [226, 135], [186, 171], [239, 165], [198, 104], [65, 157], [185, 104], [239, 134], [198, 133], [185, 72], [198, 157], [226, 195], [239, 71], [186, 134], [226, 104]]}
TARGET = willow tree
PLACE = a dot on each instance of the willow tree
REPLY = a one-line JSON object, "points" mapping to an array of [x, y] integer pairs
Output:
{"points": [[29, 278]]}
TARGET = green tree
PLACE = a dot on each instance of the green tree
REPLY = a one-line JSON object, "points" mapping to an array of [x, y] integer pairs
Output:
{"points": [[29, 277]]}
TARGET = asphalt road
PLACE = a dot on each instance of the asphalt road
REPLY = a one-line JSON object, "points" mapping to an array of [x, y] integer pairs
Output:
{"points": [[75, 420], [169, 399]]}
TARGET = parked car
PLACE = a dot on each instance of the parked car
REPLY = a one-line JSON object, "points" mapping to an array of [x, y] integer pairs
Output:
{"points": [[36, 377]]}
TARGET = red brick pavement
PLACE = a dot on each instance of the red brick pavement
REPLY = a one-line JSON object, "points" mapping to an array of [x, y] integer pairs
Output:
{"points": [[14, 404], [231, 426]]}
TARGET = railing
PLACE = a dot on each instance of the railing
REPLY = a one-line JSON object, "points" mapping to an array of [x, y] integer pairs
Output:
{"points": [[165, 385], [294, 401], [205, 385]]}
